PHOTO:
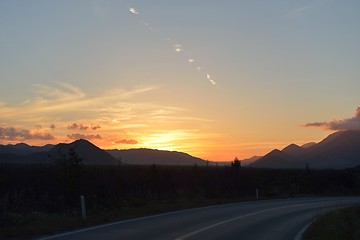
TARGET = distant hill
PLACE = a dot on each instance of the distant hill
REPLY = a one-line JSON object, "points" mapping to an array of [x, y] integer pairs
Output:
{"points": [[248, 161], [23, 149], [151, 156], [337, 151]]}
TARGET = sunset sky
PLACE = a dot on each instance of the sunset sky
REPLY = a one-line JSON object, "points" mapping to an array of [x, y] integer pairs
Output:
{"points": [[215, 79]]}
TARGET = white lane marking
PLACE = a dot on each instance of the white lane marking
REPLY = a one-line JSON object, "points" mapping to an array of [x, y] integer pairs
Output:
{"points": [[234, 219], [252, 214], [139, 219], [301, 232]]}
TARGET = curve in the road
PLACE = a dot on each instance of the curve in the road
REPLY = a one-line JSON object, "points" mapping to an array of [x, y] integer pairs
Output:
{"points": [[268, 219]]}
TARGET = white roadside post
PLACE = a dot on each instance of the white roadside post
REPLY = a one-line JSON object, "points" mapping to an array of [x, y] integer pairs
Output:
{"points": [[83, 208]]}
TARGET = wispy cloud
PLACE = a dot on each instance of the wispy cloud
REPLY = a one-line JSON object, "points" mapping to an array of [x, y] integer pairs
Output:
{"points": [[113, 114], [335, 125], [297, 12], [302, 10]]}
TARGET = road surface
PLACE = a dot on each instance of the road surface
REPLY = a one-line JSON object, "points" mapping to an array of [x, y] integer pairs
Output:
{"points": [[268, 219]]}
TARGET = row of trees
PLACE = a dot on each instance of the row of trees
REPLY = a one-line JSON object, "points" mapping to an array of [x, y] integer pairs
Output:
{"points": [[56, 188]]}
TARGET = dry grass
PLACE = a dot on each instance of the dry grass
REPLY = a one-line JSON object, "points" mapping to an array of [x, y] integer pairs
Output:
{"points": [[37, 224], [341, 224]]}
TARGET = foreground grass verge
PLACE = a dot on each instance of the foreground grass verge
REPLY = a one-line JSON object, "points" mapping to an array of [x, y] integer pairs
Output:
{"points": [[340, 224], [37, 225]]}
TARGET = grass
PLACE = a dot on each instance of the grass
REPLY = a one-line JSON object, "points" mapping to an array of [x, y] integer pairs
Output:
{"points": [[340, 224], [35, 225]]}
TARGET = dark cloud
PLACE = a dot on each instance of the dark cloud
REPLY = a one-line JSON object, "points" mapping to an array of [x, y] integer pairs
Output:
{"points": [[124, 141], [12, 133], [335, 125], [95, 127], [77, 136], [80, 126]]}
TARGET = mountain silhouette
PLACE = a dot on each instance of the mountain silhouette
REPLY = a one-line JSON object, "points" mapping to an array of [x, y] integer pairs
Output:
{"points": [[248, 161], [307, 145], [93, 155], [337, 151], [293, 150], [90, 153], [275, 159], [145, 156]]}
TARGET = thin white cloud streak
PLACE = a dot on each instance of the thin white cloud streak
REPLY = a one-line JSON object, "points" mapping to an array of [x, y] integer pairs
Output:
{"points": [[302, 10], [295, 13]]}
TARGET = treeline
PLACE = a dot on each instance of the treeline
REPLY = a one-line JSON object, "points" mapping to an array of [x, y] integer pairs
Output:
{"points": [[55, 189]]}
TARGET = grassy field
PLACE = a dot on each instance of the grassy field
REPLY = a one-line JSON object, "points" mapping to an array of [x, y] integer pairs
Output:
{"points": [[341, 224]]}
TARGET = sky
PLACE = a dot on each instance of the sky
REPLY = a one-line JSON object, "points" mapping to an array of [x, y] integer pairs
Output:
{"points": [[215, 79]]}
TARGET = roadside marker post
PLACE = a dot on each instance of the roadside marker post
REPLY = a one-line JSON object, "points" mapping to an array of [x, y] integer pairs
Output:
{"points": [[83, 208]]}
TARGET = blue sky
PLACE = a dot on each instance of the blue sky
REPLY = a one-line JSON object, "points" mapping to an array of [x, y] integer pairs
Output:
{"points": [[278, 67]]}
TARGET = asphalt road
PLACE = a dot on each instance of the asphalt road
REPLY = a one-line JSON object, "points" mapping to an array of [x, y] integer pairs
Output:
{"points": [[268, 219]]}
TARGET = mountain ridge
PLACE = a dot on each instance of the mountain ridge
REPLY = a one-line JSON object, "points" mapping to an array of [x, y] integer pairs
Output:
{"points": [[338, 150], [93, 155]]}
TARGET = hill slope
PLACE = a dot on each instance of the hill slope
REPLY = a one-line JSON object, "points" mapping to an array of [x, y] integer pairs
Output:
{"points": [[276, 159], [151, 156]]}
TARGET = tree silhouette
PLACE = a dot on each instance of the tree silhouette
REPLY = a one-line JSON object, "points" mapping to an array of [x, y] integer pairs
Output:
{"points": [[236, 163], [70, 166]]}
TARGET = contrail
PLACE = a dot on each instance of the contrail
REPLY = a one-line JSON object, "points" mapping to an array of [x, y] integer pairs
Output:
{"points": [[146, 24], [133, 11], [177, 47], [210, 79]]}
